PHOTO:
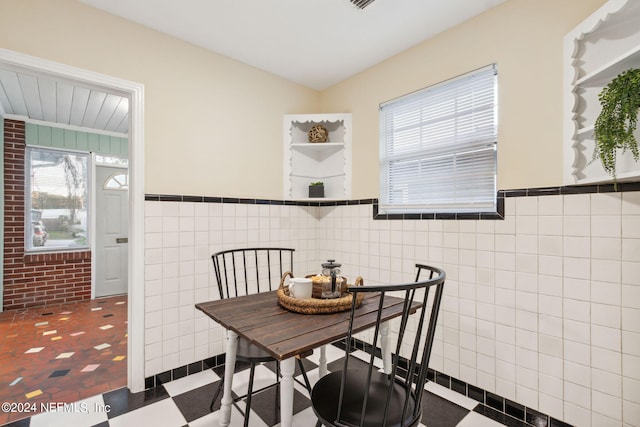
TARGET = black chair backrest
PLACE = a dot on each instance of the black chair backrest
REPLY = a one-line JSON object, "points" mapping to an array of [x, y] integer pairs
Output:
{"points": [[410, 350], [250, 270]]}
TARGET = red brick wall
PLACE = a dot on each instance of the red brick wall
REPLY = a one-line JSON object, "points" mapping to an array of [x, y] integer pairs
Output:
{"points": [[34, 279]]}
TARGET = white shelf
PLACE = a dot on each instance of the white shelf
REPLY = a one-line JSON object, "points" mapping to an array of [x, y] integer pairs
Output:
{"points": [[621, 177], [318, 146], [306, 162], [595, 52], [318, 177], [585, 131], [631, 59], [318, 199]]}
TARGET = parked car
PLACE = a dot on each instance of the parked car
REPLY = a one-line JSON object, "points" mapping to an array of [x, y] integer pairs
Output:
{"points": [[39, 234]]}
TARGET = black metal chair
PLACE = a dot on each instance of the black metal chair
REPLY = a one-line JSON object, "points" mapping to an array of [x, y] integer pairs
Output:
{"points": [[249, 271], [366, 397]]}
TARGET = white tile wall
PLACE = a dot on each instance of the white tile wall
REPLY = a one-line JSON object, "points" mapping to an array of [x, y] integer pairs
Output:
{"points": [[542, 308], [180, 238]]}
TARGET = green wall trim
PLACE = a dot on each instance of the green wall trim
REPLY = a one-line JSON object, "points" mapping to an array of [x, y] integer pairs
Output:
{"points": [[67, 139]]}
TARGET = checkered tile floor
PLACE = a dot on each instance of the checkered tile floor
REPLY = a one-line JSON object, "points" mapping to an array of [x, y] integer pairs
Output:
{"points": [[185, 402]]}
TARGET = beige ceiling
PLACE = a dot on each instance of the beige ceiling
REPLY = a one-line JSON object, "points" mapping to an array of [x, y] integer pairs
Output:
{"points": [[316, 43]]}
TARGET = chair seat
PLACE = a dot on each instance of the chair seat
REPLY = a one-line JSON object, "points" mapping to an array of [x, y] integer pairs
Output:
{"points": [[326, 393], [248, 352]]}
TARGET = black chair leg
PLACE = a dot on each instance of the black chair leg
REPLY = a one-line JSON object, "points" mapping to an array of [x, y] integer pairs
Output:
{"points": [[217, 393], [249, 393], [318, 424], [304, 375]]}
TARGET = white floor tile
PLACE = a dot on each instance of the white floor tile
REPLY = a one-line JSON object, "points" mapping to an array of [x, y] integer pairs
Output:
{"points": [[237, 420], [305, 418], [85, 413], [333, 353], [366, 357], [190, 382], [263, 378], [452, 396], [164, 413], [473, 419], [209, 420], [313, 376]]}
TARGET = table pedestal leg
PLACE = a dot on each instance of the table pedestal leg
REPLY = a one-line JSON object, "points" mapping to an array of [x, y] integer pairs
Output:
{"points": [[229, 369], [287, 368], [322, 369], [386, 350]]}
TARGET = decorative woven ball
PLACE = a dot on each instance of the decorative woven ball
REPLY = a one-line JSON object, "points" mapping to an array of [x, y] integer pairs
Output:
{"points": [[318, 133]]}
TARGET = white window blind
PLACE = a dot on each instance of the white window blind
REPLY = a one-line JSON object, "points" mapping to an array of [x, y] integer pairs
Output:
{"points": [[438, 147]]}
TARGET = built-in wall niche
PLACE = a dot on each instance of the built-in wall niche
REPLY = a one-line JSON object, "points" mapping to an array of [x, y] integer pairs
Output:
{"points": [[595, 52], [306, 162]]}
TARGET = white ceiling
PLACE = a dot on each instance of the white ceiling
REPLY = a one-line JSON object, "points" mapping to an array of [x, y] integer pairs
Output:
{"points": [[316, 43], [44, 98]]}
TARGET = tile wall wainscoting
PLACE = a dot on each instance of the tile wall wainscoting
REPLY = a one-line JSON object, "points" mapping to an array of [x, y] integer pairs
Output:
{"points": [[541, 308]]}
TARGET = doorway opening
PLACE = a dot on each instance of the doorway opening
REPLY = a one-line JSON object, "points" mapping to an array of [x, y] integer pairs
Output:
{"points": [[134, 93]]}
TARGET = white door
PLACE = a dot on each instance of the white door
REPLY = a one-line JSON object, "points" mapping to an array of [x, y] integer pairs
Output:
{"points": [[112, 204]]}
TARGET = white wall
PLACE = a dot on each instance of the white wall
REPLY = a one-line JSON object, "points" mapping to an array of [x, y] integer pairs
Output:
{"points": [[542, 308]]}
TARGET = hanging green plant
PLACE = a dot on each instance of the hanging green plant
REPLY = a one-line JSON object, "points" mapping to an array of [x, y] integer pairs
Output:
{"points": [[614, 127]]}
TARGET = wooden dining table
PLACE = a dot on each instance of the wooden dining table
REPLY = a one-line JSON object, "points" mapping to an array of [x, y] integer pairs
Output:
{"points": [[284, 334]]}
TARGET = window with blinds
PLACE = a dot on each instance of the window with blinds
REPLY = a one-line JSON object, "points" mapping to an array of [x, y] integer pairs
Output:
{"points": [[438, 147]]}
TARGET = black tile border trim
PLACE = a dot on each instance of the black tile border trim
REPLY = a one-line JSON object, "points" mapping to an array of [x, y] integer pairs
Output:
{"points": [[488, 402], [247, 201], [500, 200], [182, 371]]}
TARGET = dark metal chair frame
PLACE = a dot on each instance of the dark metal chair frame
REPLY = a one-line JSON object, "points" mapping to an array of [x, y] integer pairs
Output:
{"points": [[231, 272], [367, 397]]}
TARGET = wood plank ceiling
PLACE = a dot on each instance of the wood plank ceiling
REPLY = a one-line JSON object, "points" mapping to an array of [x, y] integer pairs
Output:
{"points": [[43, 98]]}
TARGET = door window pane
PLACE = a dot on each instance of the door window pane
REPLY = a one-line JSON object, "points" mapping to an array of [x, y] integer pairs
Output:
{"points": [[118, 181]]}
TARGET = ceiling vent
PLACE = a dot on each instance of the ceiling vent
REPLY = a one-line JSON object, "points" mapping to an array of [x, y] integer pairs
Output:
{"points": [[362, 3]]}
